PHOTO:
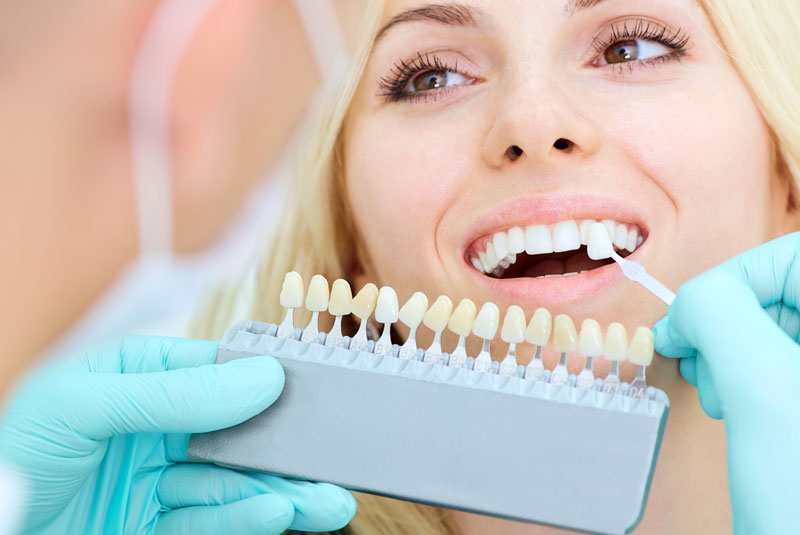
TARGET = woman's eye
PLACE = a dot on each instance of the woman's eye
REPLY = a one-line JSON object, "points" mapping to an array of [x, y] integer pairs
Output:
{"points": [[431, 80], [632, 50]]}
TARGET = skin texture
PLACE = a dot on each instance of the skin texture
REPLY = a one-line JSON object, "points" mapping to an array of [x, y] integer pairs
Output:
{"points": [[67, 221], [679, 143]]}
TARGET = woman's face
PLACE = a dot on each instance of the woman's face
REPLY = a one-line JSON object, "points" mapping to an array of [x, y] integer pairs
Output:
{"points": [[478, 117]]}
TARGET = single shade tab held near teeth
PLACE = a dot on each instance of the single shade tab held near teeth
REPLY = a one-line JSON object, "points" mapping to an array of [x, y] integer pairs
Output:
{"points": [[411, 315]]}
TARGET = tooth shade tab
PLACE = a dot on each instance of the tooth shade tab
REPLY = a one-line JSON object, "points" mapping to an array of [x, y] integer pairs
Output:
{"points": [[292, 290], [513, 331], [364, 302], [516, 240], [615, 347], [566, 236], [590, 343], [487, 321], [438, 315], [341, 298], [599, 246], [317, 295], [641, 349], [413, 310], [387, 309], [565, 337], [540, 327], [463, 317]]}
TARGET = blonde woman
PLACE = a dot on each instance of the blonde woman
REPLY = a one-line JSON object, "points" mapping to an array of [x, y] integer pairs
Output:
{"points": [[676, 118]]}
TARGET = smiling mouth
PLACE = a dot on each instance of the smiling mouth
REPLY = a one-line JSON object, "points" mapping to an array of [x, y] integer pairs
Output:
{"points": [[540, 251]]}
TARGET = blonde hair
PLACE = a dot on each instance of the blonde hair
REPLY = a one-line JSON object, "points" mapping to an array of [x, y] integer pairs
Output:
{"points": [[318, 235]]}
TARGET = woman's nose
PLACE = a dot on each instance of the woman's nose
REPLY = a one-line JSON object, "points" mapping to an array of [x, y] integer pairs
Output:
{"points": [[539, 122]]}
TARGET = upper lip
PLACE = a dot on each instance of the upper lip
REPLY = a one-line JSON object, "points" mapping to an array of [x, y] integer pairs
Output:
{"points": [[544, 210]]}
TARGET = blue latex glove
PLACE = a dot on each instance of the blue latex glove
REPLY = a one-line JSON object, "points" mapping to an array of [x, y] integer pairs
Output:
{"points": [[88, 434], [736, 329]]}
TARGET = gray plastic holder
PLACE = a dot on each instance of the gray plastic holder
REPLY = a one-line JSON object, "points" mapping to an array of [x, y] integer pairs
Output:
{"points": [[450, 437]]}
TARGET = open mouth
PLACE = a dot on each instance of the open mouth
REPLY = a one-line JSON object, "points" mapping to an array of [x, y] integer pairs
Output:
{"points": [[555, 250]]}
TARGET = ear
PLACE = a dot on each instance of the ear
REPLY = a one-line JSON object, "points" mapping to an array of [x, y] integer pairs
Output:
{"points": [[242, 87]]}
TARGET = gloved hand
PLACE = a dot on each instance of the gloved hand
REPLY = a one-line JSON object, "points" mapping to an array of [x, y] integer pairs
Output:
{"points": [[736, 329], [100, 439]]}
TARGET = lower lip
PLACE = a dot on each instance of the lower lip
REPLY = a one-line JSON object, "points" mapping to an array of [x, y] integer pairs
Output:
{"points": [[554, 290]]}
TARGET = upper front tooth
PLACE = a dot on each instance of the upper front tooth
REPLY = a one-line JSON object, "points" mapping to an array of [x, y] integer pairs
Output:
{"points": [[513, 331], [584, 230], [387, 309], [631, 241], [538, 240], [500, 242], [516, 240], [566, 236], [485, 325], [620, 236], [611, 227], [413, 310], [491, 256]]}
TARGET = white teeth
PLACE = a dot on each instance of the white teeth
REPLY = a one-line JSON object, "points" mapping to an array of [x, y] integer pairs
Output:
{"points": [[292, 290], [413, 310], [387, 309], [513, 331], [484, 262], [476, 263], [500, 242], [566, 236], [632, 241], [620, 236], [611, 227], [502, 248], [584, 230], [538, 240], [317, 295], [641, 349], [516, 240], [485, 325], [599, 246]]}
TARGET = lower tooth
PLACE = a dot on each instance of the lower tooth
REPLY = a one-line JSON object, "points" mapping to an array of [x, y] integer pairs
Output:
{"points": [[504, 264]]}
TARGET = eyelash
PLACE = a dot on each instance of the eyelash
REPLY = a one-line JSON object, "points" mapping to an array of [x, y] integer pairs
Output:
{"points": [[393, 87]]}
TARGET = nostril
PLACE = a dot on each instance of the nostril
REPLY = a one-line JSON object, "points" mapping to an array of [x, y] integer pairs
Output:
{"points": [[513, 152], [564, 145]]}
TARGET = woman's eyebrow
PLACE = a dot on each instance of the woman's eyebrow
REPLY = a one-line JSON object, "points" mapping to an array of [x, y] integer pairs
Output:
{"points": [[573, 6], [448, 14]]}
